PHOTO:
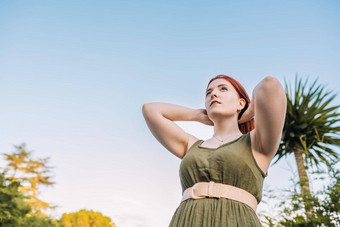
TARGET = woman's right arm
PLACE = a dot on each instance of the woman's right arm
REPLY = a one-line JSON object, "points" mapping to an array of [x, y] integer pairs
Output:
{"points": [[160, 119]]}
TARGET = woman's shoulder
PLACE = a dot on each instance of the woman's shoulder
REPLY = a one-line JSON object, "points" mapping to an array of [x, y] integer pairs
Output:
{"points": [[191, 141]]}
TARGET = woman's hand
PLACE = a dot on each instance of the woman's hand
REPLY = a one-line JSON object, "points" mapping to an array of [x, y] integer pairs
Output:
{"points": [[202, 117], [248, 114]]}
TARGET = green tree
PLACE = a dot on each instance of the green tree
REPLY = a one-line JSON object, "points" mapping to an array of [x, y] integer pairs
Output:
{"points": [[325, 206], [37, 221], [310, 130], [14, 211], [32, 174], [85, 218], [12, 205]]}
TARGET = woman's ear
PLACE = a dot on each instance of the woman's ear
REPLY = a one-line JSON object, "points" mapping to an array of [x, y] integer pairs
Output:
{"points": [[242, 104]]}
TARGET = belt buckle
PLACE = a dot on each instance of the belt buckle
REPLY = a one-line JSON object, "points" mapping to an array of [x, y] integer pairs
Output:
{"points": [[210, 189], [193, 196]]}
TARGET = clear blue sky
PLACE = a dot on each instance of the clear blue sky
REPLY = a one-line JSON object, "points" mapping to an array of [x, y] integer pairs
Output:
{"points": [[75, 74]]}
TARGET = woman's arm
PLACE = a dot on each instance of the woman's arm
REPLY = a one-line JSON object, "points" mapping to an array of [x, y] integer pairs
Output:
{"points": [[160, 119], [268, 107]]}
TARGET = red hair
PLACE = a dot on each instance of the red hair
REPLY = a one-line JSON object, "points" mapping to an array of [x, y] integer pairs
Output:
{"points": [[246, 126]]}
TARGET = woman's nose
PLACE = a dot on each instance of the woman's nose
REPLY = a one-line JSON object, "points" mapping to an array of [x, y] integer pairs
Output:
{"points": [[213, 94]]}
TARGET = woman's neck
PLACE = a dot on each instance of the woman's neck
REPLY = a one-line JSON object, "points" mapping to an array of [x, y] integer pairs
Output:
{"points": [[226, 128]]}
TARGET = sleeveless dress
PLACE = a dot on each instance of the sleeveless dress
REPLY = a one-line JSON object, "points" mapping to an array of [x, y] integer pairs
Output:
{"points": [[232, 163]]}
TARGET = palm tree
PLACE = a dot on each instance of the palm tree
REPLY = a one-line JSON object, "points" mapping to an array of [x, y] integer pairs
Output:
{"points": [[310, 131]]}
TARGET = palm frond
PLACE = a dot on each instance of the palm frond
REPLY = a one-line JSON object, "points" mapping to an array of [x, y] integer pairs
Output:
{"points": [[311, 124]]}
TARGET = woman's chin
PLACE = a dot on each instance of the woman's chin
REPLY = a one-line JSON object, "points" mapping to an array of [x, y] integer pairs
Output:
{"points": [[216, 114]]}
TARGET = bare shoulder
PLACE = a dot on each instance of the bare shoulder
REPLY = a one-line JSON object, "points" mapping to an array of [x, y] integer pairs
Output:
{"points": [[262, 160]]}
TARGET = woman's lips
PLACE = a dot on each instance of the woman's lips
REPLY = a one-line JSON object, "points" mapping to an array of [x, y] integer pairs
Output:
{"points": [[214, 103]]}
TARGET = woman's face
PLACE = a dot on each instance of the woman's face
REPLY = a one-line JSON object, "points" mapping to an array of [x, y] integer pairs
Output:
{"points": [[222, 99]]}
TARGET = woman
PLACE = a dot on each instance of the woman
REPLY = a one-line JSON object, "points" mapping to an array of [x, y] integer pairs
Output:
{"points": [[222, 177]]}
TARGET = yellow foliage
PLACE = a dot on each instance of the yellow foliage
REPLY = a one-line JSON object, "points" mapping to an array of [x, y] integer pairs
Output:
{"points": [[85, 218]]}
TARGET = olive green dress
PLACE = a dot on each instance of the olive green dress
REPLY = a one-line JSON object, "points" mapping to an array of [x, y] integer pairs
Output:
{"points": [[231, 163]]}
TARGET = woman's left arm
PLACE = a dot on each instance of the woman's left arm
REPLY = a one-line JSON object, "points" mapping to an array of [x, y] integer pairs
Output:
{"points": [[268, 107]]}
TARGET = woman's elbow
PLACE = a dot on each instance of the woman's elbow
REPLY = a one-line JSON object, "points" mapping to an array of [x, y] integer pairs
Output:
{"points": [[276, 90], [271, 80], [146, 107], [273, 85], [152, 107]]}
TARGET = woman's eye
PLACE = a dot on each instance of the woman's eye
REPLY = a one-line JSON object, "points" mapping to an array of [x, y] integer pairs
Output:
{"points": [[221, 89]]}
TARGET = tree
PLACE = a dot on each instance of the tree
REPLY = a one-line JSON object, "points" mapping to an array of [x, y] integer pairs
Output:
{"points": [[14, 212], [12, 205], [31, 173], [325, 205], [310, 130], [85, 218]]}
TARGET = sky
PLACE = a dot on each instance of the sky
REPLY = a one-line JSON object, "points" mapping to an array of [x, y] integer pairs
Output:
{"points": [[74, 76]]}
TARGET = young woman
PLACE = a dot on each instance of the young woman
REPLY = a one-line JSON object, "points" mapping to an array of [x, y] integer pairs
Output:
{"points": [[222, 177]]}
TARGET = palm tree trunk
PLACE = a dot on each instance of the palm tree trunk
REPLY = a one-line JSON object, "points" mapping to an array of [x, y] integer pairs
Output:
{"points": [[304, 181]]}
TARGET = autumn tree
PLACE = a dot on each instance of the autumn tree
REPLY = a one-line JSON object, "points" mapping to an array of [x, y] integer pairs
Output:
{"points": [[31, 173], [86, 218]]}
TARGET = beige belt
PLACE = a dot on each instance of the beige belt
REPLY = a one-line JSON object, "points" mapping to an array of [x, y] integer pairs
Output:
{"points": [[211, 189]]}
